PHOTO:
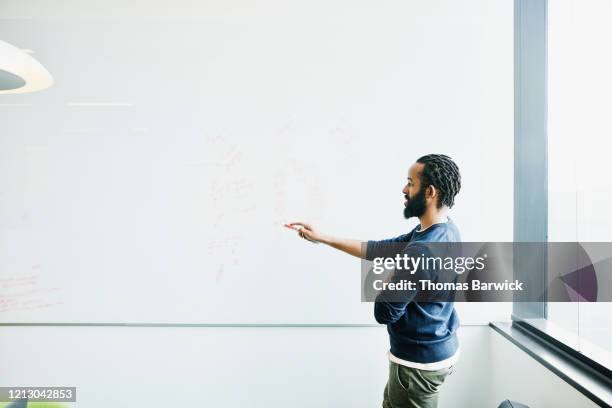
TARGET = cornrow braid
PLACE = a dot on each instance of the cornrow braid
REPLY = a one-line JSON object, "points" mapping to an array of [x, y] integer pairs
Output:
{"points": [[441, 172]]}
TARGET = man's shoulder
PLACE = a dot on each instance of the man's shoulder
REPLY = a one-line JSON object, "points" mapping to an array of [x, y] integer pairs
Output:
{"points": [[386, 247], [401, 238], [443, 232]]}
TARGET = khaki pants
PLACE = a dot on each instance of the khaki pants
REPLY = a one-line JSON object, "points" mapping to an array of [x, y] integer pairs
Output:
{"points": [[409, 387]]}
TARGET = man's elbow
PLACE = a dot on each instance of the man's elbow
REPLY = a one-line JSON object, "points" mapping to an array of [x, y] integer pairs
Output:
{"points": [[380, 319], [382, 315]]}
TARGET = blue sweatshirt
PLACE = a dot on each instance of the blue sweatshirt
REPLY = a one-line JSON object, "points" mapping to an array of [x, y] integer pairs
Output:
{"points": [[421, 332]]}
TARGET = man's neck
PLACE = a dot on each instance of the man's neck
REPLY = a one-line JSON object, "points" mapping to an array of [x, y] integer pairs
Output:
{"points": [[429, 219]]}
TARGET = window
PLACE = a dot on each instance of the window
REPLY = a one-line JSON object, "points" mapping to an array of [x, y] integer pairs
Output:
{"points": [[579, 155]]}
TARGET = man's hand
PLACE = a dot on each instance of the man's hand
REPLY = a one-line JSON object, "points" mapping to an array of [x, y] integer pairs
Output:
{"points": [[308, 232], [350, 246]]}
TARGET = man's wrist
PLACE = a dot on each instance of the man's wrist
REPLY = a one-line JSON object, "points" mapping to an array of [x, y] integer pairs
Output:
{"points": [[325, 239]]}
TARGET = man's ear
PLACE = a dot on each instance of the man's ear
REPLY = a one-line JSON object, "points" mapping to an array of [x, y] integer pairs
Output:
{"points": [[433, 193]]}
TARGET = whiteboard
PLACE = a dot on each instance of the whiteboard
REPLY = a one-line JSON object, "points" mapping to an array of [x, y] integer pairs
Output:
{"points": [[150, 183]]}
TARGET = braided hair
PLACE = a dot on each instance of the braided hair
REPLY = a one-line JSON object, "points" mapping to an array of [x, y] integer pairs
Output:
{"points": [[441, 172]]}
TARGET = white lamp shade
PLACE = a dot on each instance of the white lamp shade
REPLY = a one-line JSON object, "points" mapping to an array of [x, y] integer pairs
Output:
{"points": [[20, 73]]}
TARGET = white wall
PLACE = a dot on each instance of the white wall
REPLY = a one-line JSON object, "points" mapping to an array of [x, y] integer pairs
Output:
{"points": [[229, 367], [517, 376], [261, 367]]}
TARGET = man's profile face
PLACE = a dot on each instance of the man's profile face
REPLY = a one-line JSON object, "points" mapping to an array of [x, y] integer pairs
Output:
{"points": [[416, 203]]}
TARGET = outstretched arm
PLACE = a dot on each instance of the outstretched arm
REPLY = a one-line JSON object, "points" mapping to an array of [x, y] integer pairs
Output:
{"points": [[350, 246]]}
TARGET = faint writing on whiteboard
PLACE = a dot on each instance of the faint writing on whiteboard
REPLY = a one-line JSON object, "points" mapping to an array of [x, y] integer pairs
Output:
{"points": [[22, 292], [223, 252]]}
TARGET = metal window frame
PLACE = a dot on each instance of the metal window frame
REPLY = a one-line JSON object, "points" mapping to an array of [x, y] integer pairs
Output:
{"points": [[530, 148], [531, 208]]}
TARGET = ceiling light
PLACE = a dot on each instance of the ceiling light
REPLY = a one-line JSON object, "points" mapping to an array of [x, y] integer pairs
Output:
{"points": [[20, 72]]}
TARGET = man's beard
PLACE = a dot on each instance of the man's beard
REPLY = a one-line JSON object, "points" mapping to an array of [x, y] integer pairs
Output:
{"points": [[416, 205]]}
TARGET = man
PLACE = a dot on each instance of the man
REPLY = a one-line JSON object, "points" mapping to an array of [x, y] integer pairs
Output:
{"points": [[423, 338]]}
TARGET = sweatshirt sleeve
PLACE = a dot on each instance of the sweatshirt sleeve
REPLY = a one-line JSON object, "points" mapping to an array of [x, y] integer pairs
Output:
{"points": [[390, 305], [375, 249], [389, 312]]}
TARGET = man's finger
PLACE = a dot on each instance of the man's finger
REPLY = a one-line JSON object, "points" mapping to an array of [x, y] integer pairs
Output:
{"points": [[303, 224]]}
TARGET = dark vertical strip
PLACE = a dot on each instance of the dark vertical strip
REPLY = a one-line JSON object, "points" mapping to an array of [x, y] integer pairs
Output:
{"points": [[530, 150]]}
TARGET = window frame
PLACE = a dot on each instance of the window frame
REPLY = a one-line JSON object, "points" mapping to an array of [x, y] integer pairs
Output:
{"points": [[526, 329]]}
